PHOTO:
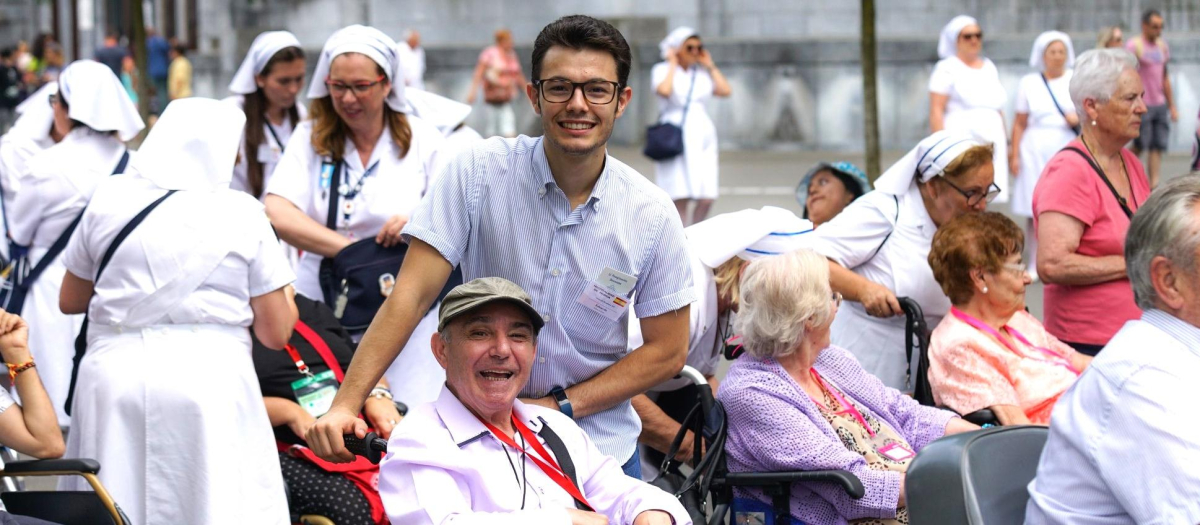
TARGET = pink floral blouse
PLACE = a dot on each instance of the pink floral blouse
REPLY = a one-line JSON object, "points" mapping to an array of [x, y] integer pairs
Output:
{"points": [[970, 369]]}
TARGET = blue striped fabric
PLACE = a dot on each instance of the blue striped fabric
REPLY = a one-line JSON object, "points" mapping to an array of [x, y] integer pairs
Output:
{"points": [[497, 211]]}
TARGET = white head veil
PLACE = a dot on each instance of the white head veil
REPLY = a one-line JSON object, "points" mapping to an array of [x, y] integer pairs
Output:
{"points": [[443, 113], [367, 41], [97, 98], [193, 146], [749, 234], [1037, 59], [264, 47], [928, 160], [948, 42], [674, 40], [36, 115]]}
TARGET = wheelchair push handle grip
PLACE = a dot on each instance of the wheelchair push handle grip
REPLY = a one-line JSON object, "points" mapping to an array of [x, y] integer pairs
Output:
{"points": [[371, 447]]}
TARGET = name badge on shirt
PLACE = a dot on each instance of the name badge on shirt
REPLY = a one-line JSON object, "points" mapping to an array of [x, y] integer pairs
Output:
{"points": [[607, 295], [268, 153], [897, 452], [326, 175], [315, 393]]}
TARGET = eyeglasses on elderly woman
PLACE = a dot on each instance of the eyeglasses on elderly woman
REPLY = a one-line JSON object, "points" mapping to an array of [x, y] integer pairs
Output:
{"points": [[974, 196]]}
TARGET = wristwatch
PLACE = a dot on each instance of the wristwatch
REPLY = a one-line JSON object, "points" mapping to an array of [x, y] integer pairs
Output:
{"points": [[564, 404]]}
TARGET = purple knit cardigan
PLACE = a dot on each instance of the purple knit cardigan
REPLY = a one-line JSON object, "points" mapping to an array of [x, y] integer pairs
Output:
{"points": [[775, 426]]}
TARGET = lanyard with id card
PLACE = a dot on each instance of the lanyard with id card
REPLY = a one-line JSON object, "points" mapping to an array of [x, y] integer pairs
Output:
{"points": [[608, 295], [315, 392]]}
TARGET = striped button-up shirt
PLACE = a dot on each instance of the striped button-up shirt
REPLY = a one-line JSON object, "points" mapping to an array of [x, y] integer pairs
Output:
{"points": [[1122, 445], [497, 212]]}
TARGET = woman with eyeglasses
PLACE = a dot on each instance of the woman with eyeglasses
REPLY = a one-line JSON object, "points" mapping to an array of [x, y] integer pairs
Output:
{"points": [[95, 117], [965, 94], [878, 245], [989, 352], [266, 88], [1084, 201], [684, 81], [362, 146]]}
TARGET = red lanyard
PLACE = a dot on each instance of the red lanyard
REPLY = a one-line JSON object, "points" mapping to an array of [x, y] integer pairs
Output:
{"points": [[847, 408], [1051, 357], [549, 465], [322, 349]]}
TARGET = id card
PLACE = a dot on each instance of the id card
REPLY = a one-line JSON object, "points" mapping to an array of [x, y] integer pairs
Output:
{"points": [[326, 175], [268, 153], [897, 452], [315, 393], [608, 294]]}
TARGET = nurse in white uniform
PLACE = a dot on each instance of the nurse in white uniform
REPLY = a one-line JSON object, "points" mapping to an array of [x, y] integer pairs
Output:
{"points": [[266, 87], [167, 399], [32, 133], [720, 247], [684, 82], [448, 116], [389, 160], [1044, 122], [965, 94], [95, 116], [879, 245]]}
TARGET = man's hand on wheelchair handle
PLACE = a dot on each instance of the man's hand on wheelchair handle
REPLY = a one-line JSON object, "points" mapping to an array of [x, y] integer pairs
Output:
{"points": [[325, 437]]}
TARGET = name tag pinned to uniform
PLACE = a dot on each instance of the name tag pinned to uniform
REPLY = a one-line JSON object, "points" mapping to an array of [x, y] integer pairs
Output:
{"points": [[608, 294], [268, 153]]}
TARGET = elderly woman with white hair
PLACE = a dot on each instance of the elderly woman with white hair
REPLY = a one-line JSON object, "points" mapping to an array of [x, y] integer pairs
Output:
{"points": [[965, 94], [95, 117], [797, 402], [1084, 201], [684, 81], [167, 399], [877, 246], [1046, 121]]}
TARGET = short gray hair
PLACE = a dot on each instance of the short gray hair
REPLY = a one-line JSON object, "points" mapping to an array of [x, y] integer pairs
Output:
{"points": [[1162, 226], [1096, 73], [778, 296]]}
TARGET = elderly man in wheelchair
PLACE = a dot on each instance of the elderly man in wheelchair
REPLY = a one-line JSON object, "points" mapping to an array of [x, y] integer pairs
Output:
{"points": [[479, 454]]}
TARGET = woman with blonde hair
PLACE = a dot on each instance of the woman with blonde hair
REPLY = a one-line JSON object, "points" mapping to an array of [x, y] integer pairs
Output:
{"points": [[362, 148]]}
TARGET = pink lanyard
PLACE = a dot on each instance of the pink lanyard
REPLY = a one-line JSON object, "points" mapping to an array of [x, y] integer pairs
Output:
{"points": [[1051, 357], [848, 408]]}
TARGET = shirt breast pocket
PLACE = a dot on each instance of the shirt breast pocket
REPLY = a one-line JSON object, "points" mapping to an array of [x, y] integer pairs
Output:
{"points": [[597, 316]]}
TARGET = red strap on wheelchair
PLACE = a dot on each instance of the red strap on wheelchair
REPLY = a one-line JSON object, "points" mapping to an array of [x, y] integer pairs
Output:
{"points": [[326, 354]]}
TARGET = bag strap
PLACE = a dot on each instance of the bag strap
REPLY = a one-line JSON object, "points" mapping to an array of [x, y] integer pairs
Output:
{"points": [[688, 102], [1053, 98], [895, 222], [322, 349], [1096, 167], [81, 339], [561, 454], [60, 243], [331, 218]]}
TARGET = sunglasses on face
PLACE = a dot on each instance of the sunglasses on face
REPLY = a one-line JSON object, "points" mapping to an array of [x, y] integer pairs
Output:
{"points": [[695, 48], [972, 36]]}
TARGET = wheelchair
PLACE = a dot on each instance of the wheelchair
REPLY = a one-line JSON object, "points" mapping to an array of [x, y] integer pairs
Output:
{"points": [[95, 507], [916, 337]]}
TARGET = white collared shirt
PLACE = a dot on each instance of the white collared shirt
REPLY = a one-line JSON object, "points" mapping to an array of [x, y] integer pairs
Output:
{"points": [[395, 187], [1123, 439], [444, 466]]}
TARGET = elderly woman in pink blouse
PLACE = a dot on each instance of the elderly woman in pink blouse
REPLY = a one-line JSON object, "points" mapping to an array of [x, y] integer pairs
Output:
{"points": [[989, 352], [795, 402]]}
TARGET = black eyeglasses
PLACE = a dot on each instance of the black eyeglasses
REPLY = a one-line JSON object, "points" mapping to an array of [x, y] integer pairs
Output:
{"points": [[595, 91], [974, 196], [972, 36], [53, 99]]}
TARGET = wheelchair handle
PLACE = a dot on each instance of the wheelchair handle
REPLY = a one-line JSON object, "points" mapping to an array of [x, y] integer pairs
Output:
{"points": [[693, 375], [371, 447]]}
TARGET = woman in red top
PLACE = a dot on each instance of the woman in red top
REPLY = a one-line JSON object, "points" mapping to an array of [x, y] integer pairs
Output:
{"points": [[1083, 203]]}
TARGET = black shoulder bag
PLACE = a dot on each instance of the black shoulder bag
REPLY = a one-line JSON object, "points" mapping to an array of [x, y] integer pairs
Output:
{"points": [[1096, 167], [81, 339], [19, 278], [664, 140], [1076, 128], [356, 281]]}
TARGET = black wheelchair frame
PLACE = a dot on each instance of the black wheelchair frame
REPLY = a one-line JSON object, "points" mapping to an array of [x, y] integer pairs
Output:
{"points": [[916, 336]]}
